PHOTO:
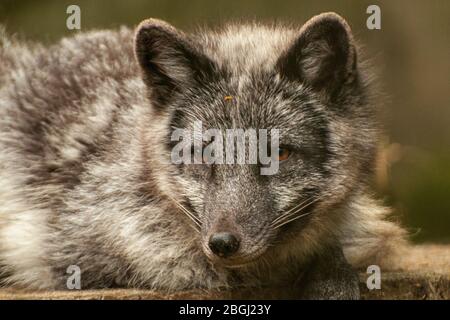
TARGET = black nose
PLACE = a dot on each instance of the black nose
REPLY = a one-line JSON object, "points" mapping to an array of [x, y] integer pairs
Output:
{"points": [[223, 244]]}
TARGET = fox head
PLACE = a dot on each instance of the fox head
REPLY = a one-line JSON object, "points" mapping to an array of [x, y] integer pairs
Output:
{"points": [[304, 82]]}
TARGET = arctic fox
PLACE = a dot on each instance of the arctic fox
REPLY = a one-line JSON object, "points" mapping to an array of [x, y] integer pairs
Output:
{"points": [[86, 177]]}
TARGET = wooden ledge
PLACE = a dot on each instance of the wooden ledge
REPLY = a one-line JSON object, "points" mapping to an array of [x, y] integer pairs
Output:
{"points": [[426, 275]]}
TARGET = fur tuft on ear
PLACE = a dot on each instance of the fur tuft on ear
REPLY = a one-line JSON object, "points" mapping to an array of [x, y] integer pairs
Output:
{"points": [[323, 55], [168, 59]]}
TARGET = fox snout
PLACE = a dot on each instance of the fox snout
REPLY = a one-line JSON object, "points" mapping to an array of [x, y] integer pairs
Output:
{"points": [[222, 239], [224, 244], [229, 241]]}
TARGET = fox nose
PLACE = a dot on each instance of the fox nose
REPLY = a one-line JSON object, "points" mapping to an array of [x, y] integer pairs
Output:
{"points": [[223, 244]]}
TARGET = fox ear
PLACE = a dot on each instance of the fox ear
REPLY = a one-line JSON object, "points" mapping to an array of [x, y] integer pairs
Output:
{"points": [[323, 55], [168, 59]]}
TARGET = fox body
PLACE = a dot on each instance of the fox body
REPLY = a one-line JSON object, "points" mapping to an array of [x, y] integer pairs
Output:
{"points": [[86, 177]]}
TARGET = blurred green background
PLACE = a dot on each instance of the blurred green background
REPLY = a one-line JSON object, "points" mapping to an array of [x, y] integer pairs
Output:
{"points": [[411, 51]]}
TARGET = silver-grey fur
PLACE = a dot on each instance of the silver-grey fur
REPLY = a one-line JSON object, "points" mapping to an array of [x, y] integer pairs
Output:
{"points": [[84, 176]]}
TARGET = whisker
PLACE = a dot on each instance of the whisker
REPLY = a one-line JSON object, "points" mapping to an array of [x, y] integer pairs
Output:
{"points": [[293, 216], [187, 211], [290, 210], [189, 214], [288, 219]]}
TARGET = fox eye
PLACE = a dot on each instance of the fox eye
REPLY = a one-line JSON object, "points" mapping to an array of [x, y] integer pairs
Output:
{"points": [[283, 154]]}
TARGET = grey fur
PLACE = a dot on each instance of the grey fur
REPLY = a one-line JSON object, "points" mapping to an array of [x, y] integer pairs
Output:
{"points": [[84, 147]]}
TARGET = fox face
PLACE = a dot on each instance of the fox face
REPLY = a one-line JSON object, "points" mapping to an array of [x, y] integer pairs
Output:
{"points": [[305, 84]]}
